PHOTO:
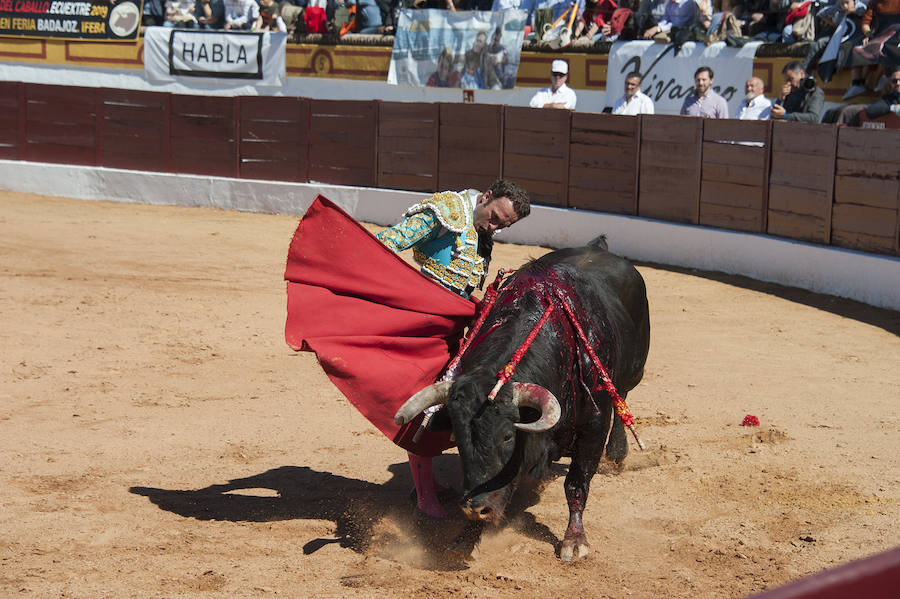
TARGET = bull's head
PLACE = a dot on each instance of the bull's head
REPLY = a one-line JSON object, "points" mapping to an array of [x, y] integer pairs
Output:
{"points": [[485, 433]]}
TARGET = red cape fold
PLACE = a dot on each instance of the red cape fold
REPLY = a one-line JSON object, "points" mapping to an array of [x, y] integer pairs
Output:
{"points": [[380, 329]]}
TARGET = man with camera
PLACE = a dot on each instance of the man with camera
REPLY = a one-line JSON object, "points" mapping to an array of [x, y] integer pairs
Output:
{"points": [[800, 98]]}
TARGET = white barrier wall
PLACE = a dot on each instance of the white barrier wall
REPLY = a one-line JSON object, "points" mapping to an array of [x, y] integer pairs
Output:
{"points": [[869, 278]]}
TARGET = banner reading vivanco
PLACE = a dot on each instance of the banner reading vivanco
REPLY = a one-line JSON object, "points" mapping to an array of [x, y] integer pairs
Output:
{"points": [[94, 20]]}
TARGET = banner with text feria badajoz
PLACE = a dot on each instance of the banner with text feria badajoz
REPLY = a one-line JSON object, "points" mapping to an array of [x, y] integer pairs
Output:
{"points": [[93, 20]]}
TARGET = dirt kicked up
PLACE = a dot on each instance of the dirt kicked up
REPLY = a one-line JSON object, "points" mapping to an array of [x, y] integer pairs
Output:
{"points": [[159, 439]]}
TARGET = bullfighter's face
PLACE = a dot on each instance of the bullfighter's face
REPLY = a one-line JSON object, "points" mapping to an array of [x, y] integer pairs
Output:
{"points": [[493, 213]]}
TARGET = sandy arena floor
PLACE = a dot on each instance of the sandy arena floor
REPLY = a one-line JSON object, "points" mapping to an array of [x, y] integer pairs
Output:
{"points": [[159, 439]]}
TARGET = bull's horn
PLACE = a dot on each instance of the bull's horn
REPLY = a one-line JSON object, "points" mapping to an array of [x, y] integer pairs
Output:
{"points": [[535, 396], [431, 395]]}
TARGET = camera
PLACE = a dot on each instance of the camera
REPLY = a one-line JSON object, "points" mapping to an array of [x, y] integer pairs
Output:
{"points": [[808, 83]]}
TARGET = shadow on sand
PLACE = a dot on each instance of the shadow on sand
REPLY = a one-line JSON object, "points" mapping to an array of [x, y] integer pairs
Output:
{"points": [[357, 507], [889, 320]]}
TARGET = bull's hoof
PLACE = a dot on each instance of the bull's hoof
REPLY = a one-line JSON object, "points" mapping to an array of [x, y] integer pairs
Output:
{"points": [[574, 547]]}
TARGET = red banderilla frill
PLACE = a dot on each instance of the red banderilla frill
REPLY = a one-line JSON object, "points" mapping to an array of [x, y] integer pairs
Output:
{"points": [[619, 403]]}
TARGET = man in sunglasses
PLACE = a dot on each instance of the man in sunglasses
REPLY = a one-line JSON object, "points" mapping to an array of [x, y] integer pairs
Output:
{"points": [[889, 102], [558, 95]]}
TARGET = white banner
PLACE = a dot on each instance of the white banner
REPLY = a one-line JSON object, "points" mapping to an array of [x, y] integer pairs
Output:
{"points": [[254, 56], [668, 79], [462, 49]]}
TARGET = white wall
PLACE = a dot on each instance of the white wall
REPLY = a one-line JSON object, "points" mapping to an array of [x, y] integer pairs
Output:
{"points": [[868, 278]]}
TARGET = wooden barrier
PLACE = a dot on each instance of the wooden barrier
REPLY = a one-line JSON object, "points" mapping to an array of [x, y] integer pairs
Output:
{"points": [[408, 146], [61, 124], [866, 211], [274, 138], [670, 168], [12, 118], [536, 152], [134, 130], [734, 186], [805, 181], [202, 135], [343, 142], [603, 162], [470, 148], [801, 181]]}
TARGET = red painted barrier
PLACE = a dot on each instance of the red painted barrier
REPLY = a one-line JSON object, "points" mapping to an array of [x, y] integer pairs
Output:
{"points": [[876, 577]]}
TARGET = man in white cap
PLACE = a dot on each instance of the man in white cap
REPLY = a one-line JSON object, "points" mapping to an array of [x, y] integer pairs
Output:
{"points": [[558, 95]]}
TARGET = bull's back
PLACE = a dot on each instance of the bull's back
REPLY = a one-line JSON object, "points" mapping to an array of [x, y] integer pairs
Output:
{"points": [[614, 287]]}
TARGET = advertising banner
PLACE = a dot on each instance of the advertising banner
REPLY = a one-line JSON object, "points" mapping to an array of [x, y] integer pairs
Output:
{"points": [[173, 53], [669, 78], [94, 20], [461, 49]]}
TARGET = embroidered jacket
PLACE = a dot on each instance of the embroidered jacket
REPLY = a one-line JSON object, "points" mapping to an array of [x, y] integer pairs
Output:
{"points": [[442, 234]]}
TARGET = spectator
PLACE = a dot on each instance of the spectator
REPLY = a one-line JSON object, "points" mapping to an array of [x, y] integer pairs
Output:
{"points": [[679, 15], [240, 14], [210, 14], [885, 16], [445, 75], [154, 13], [471, 78], [597, 15], [269, 19], [763, 19], [368, 17], [558, 95], [800, 99], [648, 14], [755, 107], [889, 102], [389, 10], [180, 13], [634, 101], [705, 101], [838, 31]]}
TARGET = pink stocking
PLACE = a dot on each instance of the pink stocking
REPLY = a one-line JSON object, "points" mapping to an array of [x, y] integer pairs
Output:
{"points": [[426, 494]]}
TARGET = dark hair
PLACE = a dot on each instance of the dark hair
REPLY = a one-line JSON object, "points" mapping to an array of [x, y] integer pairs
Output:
{"points": [[504, 188], [635, 75], [707, 69], [795, 66]]}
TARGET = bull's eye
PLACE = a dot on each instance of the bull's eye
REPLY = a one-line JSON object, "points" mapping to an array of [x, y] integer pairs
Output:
{"points": [[508, 437]]}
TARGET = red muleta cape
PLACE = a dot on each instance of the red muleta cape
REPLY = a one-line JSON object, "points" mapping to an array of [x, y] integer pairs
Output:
{"points": [[380, 329]]}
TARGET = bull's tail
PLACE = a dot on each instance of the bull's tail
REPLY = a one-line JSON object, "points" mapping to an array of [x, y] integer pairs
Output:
{"points": [[598, 242]]}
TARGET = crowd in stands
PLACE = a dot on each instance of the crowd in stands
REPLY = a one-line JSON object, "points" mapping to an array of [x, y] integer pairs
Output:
{"points": [[861, 35]]}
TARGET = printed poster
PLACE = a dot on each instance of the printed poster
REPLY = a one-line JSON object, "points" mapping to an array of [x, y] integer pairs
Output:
{"points": [[94, 20], [461, 49]]}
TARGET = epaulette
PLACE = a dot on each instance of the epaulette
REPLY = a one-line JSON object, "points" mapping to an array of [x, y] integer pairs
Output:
{"points": [[451, 209]]}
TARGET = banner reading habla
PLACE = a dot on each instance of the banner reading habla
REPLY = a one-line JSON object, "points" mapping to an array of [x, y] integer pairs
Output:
{"points": [[95, 20], [462, 49], [225, 55]]}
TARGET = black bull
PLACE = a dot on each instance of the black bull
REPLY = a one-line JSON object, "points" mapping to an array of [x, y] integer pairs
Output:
{"points": [[499, 447]]}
